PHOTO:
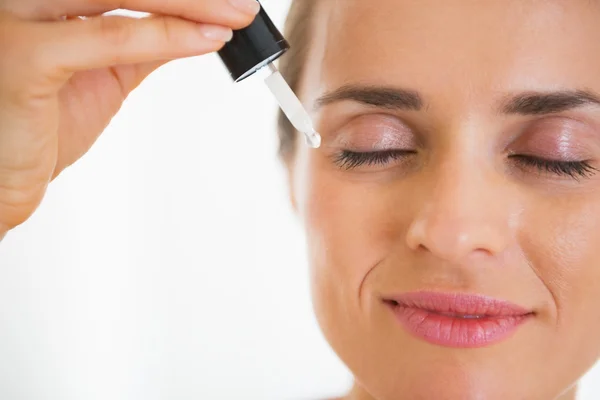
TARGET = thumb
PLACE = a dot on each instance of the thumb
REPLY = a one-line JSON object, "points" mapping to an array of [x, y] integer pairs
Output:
{"points": [[82, 44]]}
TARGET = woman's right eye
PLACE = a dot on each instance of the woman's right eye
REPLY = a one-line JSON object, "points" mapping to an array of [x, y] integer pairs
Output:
{"points": [[350, 160]]}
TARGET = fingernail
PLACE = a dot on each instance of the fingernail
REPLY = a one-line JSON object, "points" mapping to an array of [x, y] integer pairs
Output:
{"points": [[246, 6], [216, 32]]}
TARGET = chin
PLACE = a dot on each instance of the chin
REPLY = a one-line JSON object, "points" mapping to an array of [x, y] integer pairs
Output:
{"points": [[440, 382]]}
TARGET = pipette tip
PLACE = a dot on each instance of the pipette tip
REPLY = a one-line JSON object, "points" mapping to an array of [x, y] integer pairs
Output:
{"points": [[313, 139]]}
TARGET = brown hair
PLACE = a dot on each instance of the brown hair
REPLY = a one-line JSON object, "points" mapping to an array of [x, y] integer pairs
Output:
{"points": [[297, 33]]}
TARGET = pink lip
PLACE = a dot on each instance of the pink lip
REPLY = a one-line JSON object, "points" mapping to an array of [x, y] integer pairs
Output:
{"points": [[457, 320]]}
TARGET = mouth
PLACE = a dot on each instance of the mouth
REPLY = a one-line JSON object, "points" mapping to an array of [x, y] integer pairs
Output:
{"points": [[457, 320]]}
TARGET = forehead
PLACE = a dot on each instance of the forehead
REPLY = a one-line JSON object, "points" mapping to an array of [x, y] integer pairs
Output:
{"points": [[462, 49]]}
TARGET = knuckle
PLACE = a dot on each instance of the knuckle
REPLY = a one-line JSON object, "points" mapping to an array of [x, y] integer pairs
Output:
{"points": [[115, 30], [167, 28]]}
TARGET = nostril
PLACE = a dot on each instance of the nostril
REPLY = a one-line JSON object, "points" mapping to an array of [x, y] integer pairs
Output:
{"points": [[455, 237]]}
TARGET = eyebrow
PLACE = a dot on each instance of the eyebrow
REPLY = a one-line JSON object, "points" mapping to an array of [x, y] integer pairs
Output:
{"points": [[528, 103], [377, 96], [538, 103]]}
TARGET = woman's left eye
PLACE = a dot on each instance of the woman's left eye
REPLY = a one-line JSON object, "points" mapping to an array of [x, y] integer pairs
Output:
{"points": [[569, 169], [351, 159]]}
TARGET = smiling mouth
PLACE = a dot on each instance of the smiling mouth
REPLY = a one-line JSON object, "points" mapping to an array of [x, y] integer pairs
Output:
{"points": [[457, 320], [393, 303]]}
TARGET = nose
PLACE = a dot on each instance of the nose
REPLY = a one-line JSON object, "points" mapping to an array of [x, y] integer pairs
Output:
{"points": [[463, 214]]}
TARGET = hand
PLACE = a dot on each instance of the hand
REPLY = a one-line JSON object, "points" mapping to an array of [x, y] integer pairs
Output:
{"points": [[63, 78]]}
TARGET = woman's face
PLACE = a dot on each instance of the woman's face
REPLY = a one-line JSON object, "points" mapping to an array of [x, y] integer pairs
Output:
{"points": [[461, 142]]}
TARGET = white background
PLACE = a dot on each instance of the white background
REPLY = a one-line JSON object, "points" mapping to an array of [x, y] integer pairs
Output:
{"points": [[167, 263]]}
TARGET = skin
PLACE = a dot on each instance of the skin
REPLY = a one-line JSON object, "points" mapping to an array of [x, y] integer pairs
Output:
{"points": [[62, 79], [459, 214], [456, 214]]}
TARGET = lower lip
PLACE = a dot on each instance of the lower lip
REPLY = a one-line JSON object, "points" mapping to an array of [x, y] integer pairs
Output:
{"points": [[457, 332]]}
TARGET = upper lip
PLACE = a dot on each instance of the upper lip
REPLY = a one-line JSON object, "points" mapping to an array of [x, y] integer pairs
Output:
{"points": [[458, 304]]}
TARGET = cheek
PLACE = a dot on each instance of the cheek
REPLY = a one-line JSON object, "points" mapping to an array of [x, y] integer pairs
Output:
{"points": [[350, 227], [561, 240]]}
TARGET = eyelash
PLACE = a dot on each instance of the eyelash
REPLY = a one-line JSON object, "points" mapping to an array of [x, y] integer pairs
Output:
{"points": [[349, 160], [570, 169]]}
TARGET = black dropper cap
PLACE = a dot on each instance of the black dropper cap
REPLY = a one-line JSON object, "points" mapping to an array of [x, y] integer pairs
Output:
{"points": [[253, 47]]}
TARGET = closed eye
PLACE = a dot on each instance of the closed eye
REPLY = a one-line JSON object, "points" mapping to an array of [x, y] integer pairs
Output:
{"points": [[350, 159], [570, 169]]}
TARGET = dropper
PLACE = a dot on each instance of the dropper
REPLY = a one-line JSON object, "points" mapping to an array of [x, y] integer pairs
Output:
{"points": [[292, 107], [256, 47]]}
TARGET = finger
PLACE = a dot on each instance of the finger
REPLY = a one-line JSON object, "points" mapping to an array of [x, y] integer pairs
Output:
{"points": [[131, 76], [76, 45], [235, 14], [54, 10], [128, 77]]}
